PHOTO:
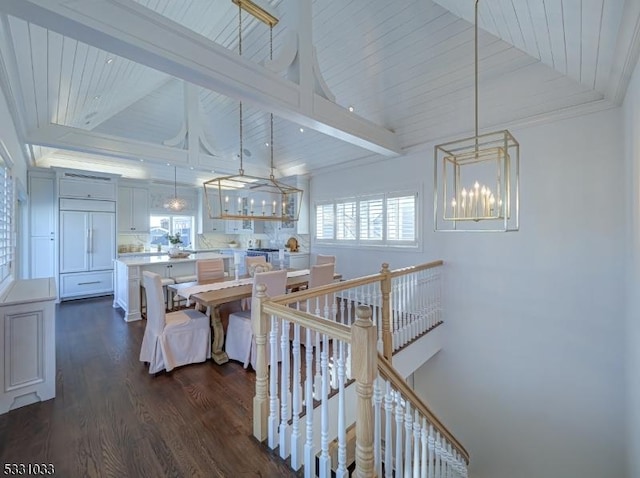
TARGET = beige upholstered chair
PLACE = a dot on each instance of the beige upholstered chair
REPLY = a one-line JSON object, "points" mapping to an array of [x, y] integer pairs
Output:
{"points": [[321, 259], [240, 344], [172, 339], [209, 269], [248, 260]]}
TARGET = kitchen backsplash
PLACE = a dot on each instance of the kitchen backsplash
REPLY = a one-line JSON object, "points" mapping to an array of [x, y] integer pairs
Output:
{"points": [[140, 242]]}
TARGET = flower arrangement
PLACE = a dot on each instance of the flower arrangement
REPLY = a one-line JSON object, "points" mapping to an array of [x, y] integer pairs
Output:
{"points": [[174, 239]]}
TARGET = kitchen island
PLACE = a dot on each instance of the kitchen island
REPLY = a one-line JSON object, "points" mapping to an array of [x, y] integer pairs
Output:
{"points": [[128, 276]]}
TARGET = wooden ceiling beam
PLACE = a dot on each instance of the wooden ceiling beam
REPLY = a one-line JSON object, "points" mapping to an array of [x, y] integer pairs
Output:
{"points": [[132, 31]]}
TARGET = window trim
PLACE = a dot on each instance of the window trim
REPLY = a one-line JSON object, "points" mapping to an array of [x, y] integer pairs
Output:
{"points": [[384, 243]]}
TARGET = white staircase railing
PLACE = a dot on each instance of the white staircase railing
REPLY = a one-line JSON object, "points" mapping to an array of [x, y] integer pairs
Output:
{"points": [[318, 372]]}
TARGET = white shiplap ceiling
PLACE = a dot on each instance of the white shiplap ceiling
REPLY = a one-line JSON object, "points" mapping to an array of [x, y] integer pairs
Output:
{"points": [[406, 66]]}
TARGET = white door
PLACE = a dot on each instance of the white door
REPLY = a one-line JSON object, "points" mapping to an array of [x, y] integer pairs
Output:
{"points": [[42, 257], [102, 227], [74, 241]]}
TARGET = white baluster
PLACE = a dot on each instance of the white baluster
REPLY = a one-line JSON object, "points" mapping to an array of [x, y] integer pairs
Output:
{"points": [[424, 448], [416, 445], [432, 452], [317, 392], [341, 470], [438, 453], [309, 456], [408, 425], [388, 426], [394, 316], [399, 429], [296, 437], [274, 404], [324, 459], [377, 427], [284, 391]]}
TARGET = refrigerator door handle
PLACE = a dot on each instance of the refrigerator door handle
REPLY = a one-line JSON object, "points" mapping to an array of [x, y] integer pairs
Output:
{"points": [[89, 240]]}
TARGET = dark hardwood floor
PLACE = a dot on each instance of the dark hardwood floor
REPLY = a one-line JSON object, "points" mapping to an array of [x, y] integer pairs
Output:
{"points": [[110, 418]]}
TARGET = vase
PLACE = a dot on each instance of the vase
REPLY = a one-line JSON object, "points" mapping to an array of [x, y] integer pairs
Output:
{"points": [[174, 251]]}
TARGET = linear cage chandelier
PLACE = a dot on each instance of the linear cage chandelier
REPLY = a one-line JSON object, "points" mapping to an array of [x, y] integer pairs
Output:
{"points": [[241, 196], [476, 179]]}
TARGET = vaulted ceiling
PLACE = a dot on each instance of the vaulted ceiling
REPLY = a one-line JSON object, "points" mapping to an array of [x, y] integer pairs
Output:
{"points": [[96, 85]]}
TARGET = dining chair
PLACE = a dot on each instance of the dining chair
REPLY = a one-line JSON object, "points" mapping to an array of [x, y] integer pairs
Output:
{"points": [[240, 343], [319, 275], [209, 269], [249, 260], [322, 259], [172, 339]]}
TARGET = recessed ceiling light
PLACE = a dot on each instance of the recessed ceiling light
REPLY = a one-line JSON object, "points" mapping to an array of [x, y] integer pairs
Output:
{"points": [[141, 160], [351, 108], [191, 168], [302, 130], [97, 97], [213, 171], [168, 164], [266, 144], [109, 61]]}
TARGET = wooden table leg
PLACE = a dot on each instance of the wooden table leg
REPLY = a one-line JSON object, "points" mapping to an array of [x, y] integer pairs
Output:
{"points": [[217, 332]]}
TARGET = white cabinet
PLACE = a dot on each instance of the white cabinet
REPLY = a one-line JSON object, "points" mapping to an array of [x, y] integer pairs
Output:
{"points": [[98, 188], [205, 223], [298, 260], [42, 225], [133, 209], [87, 248], [27, 335]]}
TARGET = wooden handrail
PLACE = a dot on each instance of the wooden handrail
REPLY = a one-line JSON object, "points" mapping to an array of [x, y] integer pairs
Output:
{"points": [[387, 372], [334, 330], [419, 267], [325, 289]]}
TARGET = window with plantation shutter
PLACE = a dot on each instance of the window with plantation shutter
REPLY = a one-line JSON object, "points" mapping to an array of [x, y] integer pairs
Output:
{"points": [[324, 221], [6, 213], [346, 221], [371, 219], [375, 220], [401, 218]]}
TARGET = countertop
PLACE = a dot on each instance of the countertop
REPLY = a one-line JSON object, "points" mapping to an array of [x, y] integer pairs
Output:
{"points": [[139, 260]]}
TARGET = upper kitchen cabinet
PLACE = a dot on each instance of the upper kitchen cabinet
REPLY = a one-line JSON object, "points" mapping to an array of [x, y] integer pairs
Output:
{"points": [[87, 186], [205, 223], [301, 226], [133, 209]]}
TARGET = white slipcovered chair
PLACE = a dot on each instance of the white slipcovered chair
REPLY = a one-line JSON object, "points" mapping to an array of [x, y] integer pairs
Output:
{"points": [[319, 275], [172, 339], [322, 259], [240, 343]]}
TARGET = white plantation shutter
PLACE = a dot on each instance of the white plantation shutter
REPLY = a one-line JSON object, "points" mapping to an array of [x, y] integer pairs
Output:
{"points": [[371, 219], [388, 219], [6, 213], [324, 221], [346, 221], [401, 218]]}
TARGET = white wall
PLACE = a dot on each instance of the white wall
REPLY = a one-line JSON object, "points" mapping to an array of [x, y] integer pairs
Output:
{"points": [[529, 377], [632, 154]]}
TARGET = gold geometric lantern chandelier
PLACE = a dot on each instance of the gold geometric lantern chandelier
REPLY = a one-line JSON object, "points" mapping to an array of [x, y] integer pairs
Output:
{"points": [[476, 179], [244, 197]]}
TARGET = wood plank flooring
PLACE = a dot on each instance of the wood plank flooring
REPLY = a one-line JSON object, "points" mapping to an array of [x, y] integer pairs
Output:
{"points": [[110, 418]]}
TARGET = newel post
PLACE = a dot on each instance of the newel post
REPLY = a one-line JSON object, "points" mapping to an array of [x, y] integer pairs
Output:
{"points": [[387, 327], [364, 365], [260, 324]]}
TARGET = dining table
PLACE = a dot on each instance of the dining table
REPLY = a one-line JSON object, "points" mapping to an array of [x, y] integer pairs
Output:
{"points": [[214, 293]]}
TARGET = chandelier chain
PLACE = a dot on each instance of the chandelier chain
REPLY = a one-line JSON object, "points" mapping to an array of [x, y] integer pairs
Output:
{"points": [[271, 125], [240, 53], [476, 66]]}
